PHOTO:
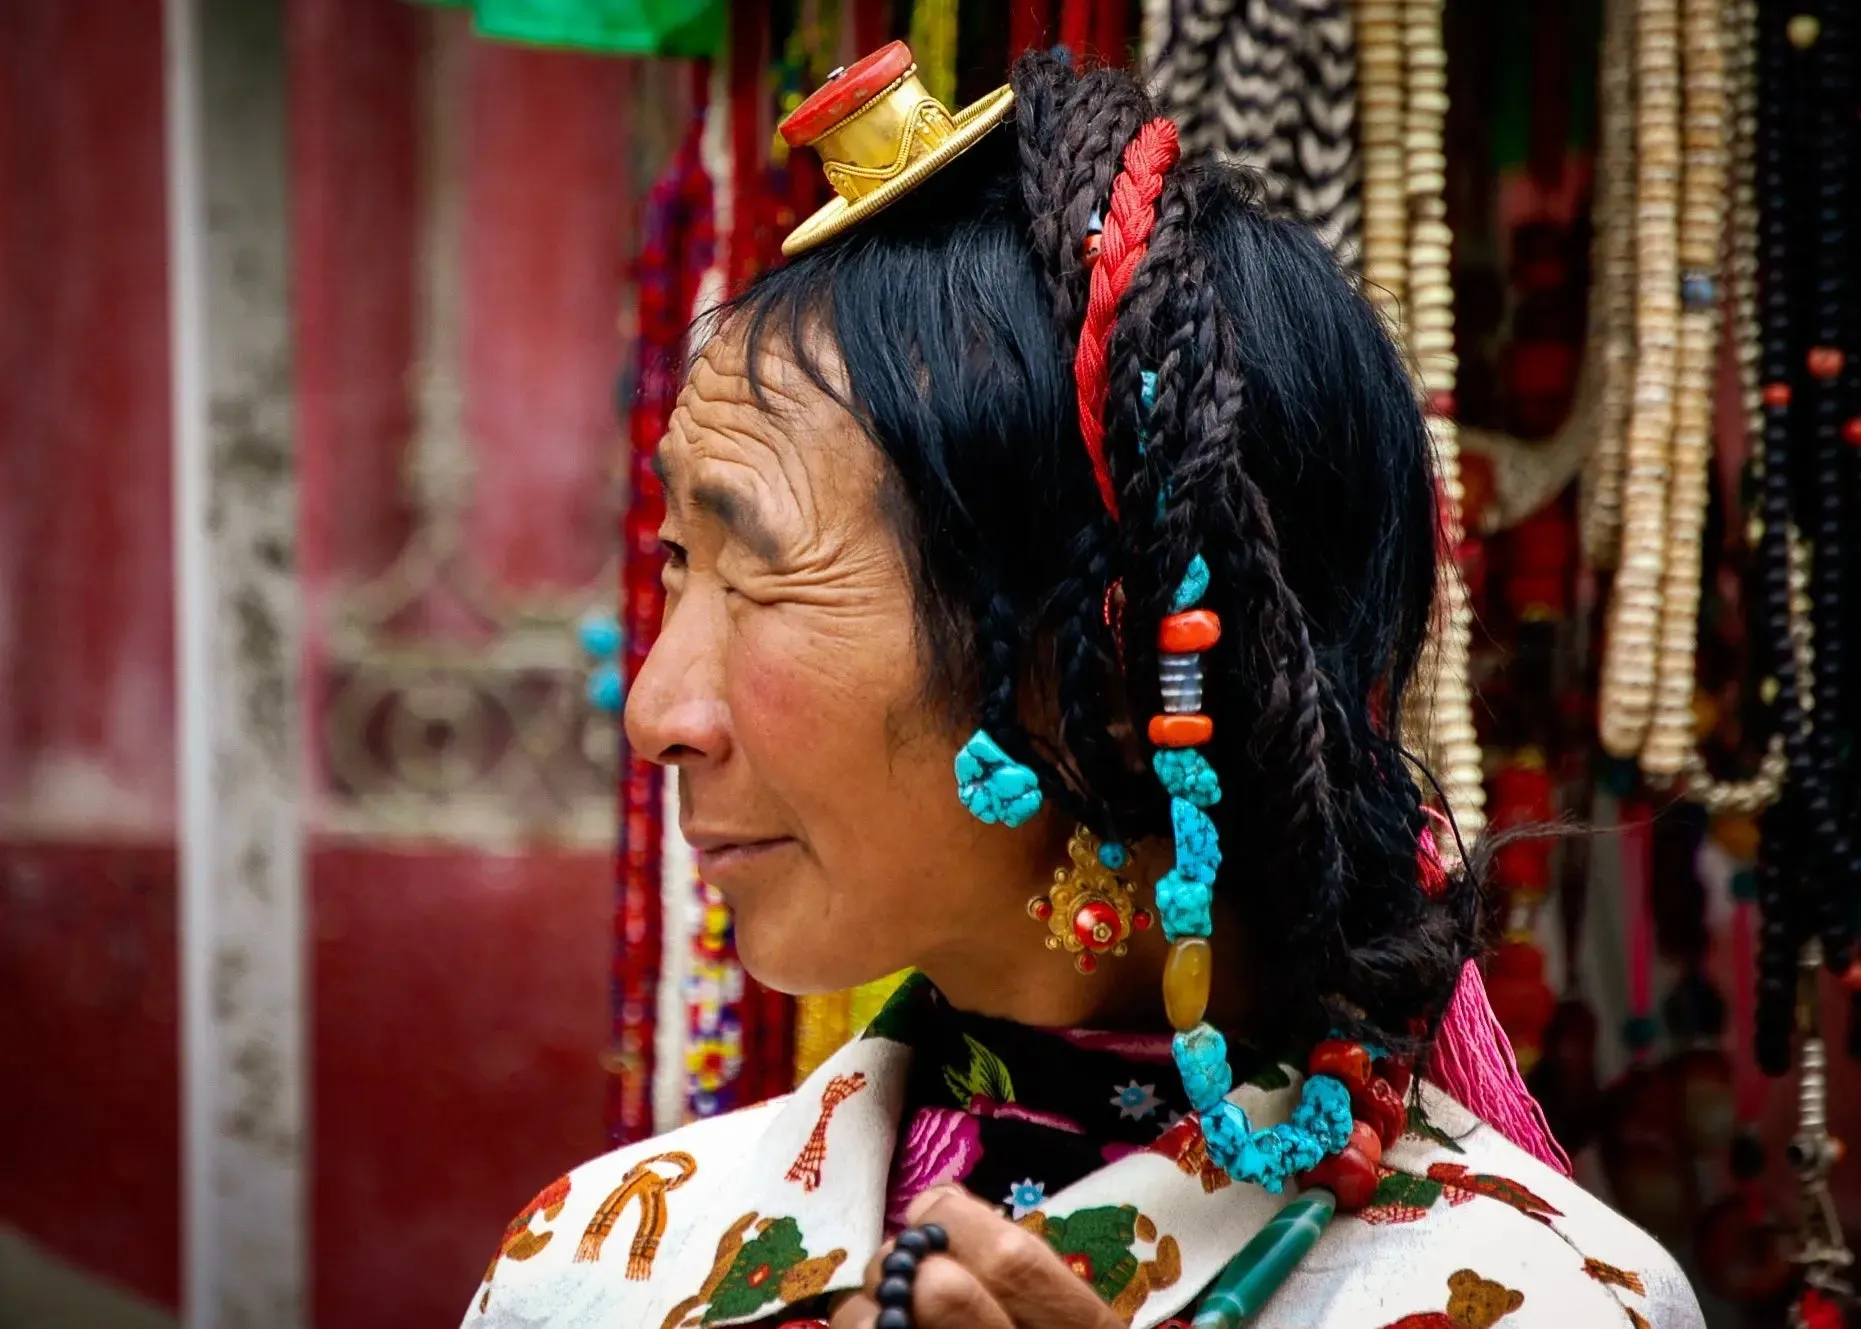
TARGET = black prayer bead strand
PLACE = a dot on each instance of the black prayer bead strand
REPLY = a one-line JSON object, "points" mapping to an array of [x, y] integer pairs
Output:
{"points": [[1776, 868], [1830, 796]]}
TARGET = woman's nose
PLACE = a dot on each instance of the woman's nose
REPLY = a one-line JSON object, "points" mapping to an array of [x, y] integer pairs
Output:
{"points": [[676, 713]]}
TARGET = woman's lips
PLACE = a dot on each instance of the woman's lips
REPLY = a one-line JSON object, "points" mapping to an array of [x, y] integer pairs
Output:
{"points": [[719, 856]]}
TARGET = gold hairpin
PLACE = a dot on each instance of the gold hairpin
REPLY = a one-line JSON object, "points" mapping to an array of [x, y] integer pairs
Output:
{"points": [[879, 134]]}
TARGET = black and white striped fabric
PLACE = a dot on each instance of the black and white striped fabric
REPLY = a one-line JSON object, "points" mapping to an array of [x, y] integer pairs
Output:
{"points": [[1273, 84]]}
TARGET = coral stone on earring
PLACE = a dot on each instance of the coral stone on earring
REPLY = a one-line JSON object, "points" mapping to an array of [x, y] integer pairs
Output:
{"points": [[1090, 911]]}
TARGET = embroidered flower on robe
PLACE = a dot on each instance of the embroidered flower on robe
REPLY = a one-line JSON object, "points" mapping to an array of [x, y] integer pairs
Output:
{"points": [[1136, 1101], [1025, 1197], [941, 1145]]}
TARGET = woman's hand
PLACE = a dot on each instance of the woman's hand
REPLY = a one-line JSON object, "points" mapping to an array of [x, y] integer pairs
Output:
{"points": [[995, 1276]]}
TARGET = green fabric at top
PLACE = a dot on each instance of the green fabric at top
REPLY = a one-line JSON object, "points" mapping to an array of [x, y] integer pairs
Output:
{"points": [[611, 27]]}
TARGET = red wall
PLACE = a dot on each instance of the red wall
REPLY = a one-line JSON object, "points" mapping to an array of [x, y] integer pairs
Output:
{"points": [[458, 998], [89, 1135]]}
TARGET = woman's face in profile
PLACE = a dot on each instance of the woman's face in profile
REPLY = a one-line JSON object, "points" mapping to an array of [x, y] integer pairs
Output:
{"points": [[787, 689]]}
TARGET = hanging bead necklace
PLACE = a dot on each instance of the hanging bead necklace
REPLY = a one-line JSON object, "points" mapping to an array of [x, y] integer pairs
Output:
{"points": [[1750, 796], [1830, 464], [1612, 287], [1702, 193], [1407, 247], [1634, 612]]}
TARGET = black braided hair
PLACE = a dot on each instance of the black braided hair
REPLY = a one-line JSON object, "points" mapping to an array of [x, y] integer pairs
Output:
{"points": [[1284, 445]]}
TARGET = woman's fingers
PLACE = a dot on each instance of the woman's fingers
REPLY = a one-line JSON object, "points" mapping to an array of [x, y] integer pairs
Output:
{"points": [[1017, 1270], [944, 1296]]}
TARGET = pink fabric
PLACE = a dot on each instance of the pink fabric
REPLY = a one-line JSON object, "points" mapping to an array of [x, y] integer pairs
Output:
{"points": [[1473, 1063], [941, 1145]]}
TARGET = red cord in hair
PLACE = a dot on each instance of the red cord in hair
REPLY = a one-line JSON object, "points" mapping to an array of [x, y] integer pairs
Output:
{"points": [[1128, 223]]}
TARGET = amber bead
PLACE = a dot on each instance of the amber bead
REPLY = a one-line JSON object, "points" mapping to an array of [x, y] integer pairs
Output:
{"points": [[1188, 633], [1180, 731], [1186, 976], [1349, 1062]]}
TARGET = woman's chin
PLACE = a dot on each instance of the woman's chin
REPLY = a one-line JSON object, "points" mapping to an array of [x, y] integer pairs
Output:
{"points": [[800, 961]]}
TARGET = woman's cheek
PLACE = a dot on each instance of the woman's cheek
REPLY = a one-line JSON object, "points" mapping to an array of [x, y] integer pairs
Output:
{"points": [[783, 692]]}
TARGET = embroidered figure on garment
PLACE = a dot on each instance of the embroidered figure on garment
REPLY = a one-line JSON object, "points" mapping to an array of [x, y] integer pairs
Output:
{"points": [[1185, 1145], [650, 1187], [746, 1276], [807, 1165], [519, 1242], [1472, 1303], [1403, 1197], [1610, 1276], [1096, 1244]]}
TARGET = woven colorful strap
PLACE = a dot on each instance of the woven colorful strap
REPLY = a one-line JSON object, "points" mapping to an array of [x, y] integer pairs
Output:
{"points": [[1128, 224]]}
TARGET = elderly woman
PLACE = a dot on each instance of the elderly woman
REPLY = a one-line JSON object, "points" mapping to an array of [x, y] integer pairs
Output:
{"points": [[1052, 465]]}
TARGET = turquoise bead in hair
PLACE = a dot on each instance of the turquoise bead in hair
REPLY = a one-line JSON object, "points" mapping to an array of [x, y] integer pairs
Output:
{"points": [[1202, 1059], [1187, 775], [1193, 587], [1184, 907], [1325, 1111], [994, 786], [1270, 1157], [1198, 847]]}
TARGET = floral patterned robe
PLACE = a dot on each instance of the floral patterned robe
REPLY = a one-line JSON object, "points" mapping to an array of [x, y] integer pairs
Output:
{"points": [[757, 1217]]}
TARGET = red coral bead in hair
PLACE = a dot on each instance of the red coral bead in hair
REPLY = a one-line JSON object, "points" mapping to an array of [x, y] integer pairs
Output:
{"points": [[1851, 431], [1351, 1175], [1342, 1060], [1777, 394], [1188, 633], [1180, 731], [1378, 1104]]}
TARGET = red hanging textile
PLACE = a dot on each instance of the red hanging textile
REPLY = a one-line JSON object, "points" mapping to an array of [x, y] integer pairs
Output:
{"points": [[1076, 26], [749, 137], [1030, 27], [677, 247], [1099, 29], [763, 210]]}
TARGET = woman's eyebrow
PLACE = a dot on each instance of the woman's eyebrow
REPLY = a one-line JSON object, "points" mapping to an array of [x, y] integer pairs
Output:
{"points": [[738, 514], [729, 507]]}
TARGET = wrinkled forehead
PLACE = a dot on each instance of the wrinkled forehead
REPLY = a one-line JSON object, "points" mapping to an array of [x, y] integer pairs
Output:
{"points": [[768, 427]]}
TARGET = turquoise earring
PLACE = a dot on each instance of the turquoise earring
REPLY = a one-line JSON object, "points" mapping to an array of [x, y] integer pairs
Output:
{"points": [[993, 785]]}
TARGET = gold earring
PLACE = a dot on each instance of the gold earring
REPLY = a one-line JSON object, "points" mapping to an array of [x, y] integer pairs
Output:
{"points": [[1090, 910]]}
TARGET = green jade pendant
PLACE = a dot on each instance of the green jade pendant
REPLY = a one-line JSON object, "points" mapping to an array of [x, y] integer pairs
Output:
{"points": [[1250, 1279]]}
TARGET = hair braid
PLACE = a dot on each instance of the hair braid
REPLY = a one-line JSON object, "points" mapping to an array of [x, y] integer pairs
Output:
{"points": [[1291, 729]]}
